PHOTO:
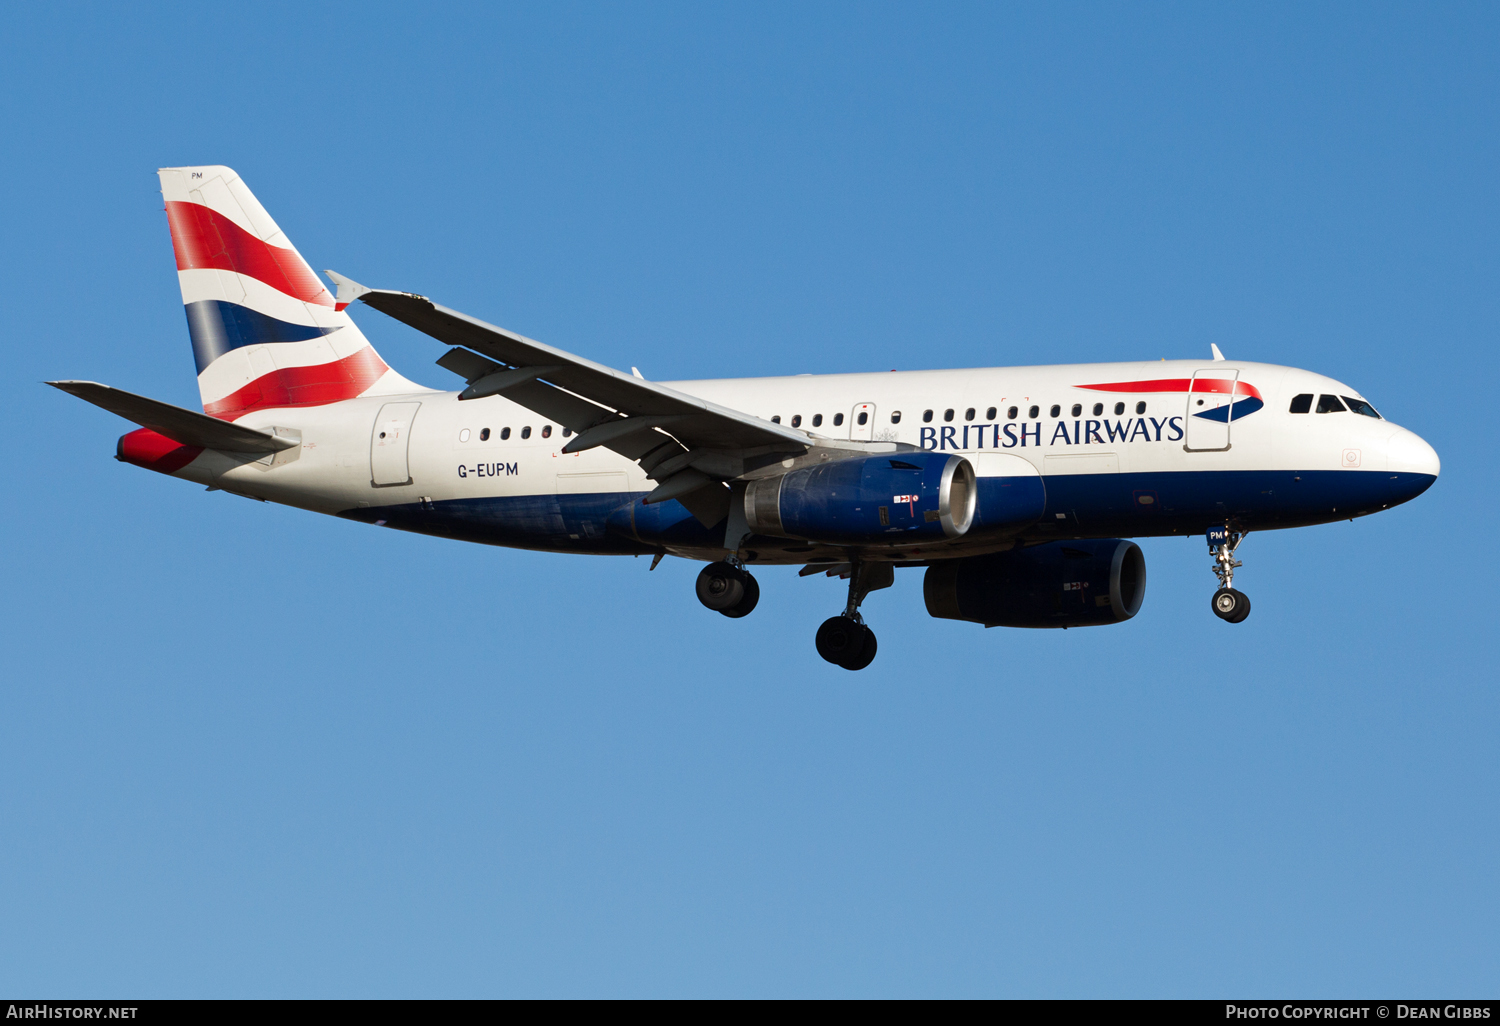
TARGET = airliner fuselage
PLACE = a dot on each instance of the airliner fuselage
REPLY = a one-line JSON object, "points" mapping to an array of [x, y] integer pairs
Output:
{"points": [[492, 471]]}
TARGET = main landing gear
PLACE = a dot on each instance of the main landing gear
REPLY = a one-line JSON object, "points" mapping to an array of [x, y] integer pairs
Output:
{"points": [[846, 640], [728, 588], [1228, 604]]}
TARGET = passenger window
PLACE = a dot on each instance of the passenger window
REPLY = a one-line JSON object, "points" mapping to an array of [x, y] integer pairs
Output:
{"points": [[1010, 414], [1119, 409], [1360, 406], [1055, 410], [1330, 404], [989, 414], [796, 420], [567, 432], [838, 418], [864, 418], [526, 431], [926, 416], [948, 415], [546, 430], [1077, 409], [504, 433], [969, 413], [895, 416], [817, 420], [484, 434], [1140, 407], [1302, 403], [1032, 413], [463, 436], [1098, 409], [776, 419]]}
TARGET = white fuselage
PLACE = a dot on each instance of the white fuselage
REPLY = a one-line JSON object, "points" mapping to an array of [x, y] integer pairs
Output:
{"points": [[480, 455]]}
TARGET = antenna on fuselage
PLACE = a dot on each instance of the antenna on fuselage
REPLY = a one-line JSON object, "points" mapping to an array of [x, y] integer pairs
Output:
{"points": [[1218, 356]]}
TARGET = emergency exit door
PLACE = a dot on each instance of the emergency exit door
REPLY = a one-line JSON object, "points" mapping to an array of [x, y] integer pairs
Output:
{"points": [[862, 423], [388, 443]]}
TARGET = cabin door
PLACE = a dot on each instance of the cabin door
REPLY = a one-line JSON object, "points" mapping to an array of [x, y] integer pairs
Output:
{"points": [[1210, 410], [388, 442]]}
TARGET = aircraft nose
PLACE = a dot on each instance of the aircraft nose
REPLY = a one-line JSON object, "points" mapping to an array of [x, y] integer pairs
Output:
{"points": [[1408, 453]]}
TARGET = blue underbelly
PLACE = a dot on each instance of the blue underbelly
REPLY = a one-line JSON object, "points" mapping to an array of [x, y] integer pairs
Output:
{"points": [[1081, 505], [1170, 502]]}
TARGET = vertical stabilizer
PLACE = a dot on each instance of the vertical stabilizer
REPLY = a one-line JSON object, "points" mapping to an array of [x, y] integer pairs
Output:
{"points": [[266, 331]]}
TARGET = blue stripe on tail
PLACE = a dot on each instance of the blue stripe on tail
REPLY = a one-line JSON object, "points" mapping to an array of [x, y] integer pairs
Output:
{"points": [[217, 327]]}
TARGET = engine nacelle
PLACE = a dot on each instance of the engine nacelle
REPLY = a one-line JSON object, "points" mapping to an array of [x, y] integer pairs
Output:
{"points": [[1061, 584], [901, 498]]}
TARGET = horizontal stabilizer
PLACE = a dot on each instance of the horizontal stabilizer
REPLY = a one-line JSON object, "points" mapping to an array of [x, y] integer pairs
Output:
{"points": [[174, 422]]}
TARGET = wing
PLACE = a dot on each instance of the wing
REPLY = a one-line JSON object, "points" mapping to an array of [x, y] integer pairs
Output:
{"points": [[687, 445], [174, 422]]}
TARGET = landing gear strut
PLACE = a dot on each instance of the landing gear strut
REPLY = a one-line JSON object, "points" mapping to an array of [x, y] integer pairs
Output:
{"points": [[1228, 604], [727, 588], [846, 640]]}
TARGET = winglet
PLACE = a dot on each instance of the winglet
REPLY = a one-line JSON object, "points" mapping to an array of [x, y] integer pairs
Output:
{"points": [[349, 289], [1218, 356]]}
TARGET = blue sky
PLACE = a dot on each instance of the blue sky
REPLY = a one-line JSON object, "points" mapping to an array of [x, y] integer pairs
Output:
{"points": [[249, 751]]}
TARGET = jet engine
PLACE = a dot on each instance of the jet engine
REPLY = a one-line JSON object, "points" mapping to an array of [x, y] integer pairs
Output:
{"points": [[898, 499], [1061, 584]]}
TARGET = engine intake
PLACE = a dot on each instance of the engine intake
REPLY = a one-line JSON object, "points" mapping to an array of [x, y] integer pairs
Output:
{"points": [[897, 499], [1062, 584]]}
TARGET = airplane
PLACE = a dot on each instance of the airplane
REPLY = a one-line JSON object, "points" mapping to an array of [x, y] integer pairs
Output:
{"points": [[1015, 489]]}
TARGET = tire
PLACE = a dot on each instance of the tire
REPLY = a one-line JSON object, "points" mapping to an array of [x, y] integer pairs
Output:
{"points": [[842, 641], [1230, 605], [867, 656], [1243, 611], [747, 602], [720, 586]]}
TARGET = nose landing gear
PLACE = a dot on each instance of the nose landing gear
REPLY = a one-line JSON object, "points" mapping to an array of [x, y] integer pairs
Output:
{"points": [[846, 640], [1228, 604], [728, 589]]}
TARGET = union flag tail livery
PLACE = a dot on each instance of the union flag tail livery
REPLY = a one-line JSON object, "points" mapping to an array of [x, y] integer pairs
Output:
{"points": [[1015, 489], [266, 332]]}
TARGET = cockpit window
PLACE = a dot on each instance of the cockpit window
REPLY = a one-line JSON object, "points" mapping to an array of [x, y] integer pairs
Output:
{"points": [[1360, 406], [1330, 404], [1302, 403]]}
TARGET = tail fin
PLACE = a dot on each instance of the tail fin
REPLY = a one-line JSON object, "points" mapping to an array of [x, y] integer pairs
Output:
{"points": [[266, 332]]}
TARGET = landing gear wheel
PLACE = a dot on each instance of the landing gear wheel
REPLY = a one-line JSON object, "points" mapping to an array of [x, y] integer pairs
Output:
{"points": [[867, 656], [1230, 605], [721, 586], [747, 602], [844, 641]]}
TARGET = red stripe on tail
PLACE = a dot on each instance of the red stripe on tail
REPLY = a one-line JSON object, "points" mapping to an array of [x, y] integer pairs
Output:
{"points": [[317, 385], [205, 239]]}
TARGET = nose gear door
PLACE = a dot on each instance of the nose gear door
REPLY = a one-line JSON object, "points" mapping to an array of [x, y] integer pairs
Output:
{"points": [[1210, 410], [388, 442]]}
